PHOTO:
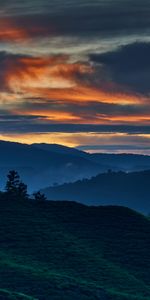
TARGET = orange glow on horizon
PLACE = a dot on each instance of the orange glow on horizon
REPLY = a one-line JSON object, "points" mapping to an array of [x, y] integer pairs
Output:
{"points": [[79, 139]]}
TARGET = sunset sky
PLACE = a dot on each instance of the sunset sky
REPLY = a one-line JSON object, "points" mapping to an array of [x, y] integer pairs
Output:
{"points": [[76, 72]]}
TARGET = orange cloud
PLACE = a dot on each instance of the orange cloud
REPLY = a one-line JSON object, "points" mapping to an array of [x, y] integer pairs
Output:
{"points": [[9, 31], [56, 78], [56, 116], [21, 29], [129, 120], [73, 117], [26, 72], [85, 93]]}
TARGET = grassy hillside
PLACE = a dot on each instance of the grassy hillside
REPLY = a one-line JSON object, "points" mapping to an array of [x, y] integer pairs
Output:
{"points": [[64, 250]]}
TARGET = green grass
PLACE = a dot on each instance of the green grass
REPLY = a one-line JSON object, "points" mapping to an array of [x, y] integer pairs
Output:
{"points": [[59, 250], [8, 295]]}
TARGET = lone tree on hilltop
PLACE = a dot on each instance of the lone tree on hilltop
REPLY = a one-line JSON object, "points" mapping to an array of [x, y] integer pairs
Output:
{"points": [[15, 187], [39, 197]]}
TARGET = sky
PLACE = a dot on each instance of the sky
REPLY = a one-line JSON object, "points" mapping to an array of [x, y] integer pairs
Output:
{"points": [[77, 73]]}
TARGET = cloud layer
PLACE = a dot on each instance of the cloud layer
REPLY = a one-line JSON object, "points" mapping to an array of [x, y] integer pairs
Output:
{"points": [[128, 66], [75, 67]]}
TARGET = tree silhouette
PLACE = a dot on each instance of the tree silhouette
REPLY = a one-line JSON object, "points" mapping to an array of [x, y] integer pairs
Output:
{"points": [[15, 187], [12, 182], [39, 197], [22, 191]]}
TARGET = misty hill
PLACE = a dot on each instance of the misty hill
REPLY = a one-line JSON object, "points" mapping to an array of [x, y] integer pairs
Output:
{"points": [[113, 188], [41, 165], [116, 162], [124, 162], [39, 168], [61, 149], [68, 251]]}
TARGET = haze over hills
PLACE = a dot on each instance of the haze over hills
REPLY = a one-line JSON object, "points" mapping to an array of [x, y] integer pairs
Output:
{"points": [[111, 188], [41, 165], [39, 168], [124, 161], [68, 251]]}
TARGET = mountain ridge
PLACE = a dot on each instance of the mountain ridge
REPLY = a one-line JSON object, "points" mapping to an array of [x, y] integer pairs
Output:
{"points": [[39, 168], [110, 188], [41, 165]]}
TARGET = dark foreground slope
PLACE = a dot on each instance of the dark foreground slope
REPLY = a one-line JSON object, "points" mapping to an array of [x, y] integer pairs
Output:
{"points": [[111, 188], [64, 250]]}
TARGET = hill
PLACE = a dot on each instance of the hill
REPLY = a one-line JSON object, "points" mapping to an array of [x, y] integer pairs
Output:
{"points": [[68, 251], [39, 168], [116, 162], [41, 165], [61, 149], [124, 162], [112, 188]]}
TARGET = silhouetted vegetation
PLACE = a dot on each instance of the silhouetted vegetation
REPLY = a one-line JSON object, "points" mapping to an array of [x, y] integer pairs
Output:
{"points": [[15, 189], [68, 251], [39, 197]]}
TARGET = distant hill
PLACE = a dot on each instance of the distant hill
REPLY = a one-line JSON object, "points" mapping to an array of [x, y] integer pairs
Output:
{"points": [[116, 188], [41, 165], [39, 168], [116, 162], [61, 149], [124, 162], [68, 251]]}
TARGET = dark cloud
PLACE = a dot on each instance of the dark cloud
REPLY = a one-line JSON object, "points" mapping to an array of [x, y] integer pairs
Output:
{"points": [[86, 110], [9, 117], [128, 66], [116, 149], [79, 17], [7, 62], [44, 127], [113, 148]]}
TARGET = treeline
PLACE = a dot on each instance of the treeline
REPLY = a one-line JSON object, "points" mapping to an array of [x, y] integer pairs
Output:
{"points": [[15, 188]]}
